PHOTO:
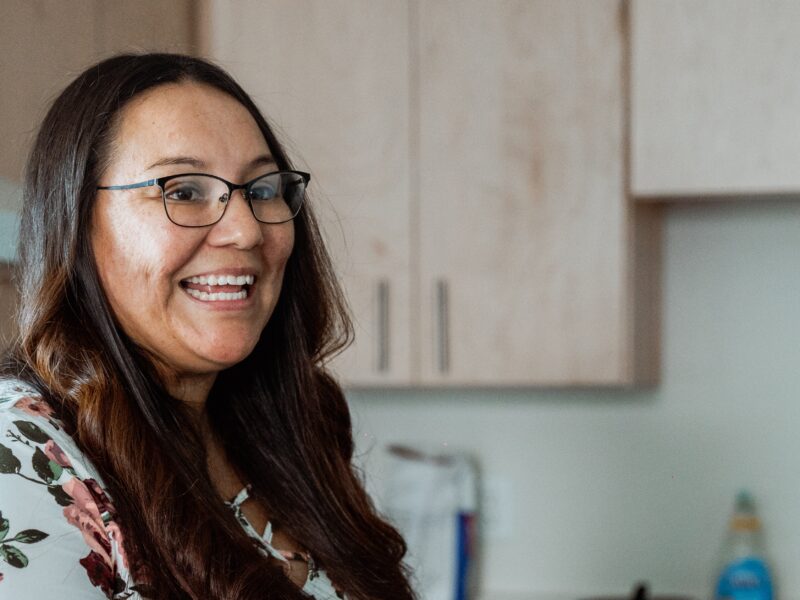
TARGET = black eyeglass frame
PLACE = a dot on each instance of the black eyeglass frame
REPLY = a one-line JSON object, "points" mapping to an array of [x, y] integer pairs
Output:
{"points": [[232, 187]]}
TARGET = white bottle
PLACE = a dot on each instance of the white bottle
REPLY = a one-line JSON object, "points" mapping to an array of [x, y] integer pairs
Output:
{"points": [[744, 574]]}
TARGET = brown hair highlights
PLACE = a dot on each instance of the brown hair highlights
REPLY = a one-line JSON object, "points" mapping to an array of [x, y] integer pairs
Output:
{"points": [[282, 419]]}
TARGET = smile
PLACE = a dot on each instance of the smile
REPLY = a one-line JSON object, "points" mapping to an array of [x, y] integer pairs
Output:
{"points": [[219, 288]]}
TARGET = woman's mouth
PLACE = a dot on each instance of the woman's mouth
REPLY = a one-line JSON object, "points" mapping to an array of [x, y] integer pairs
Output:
{"points": [[219, 288]]}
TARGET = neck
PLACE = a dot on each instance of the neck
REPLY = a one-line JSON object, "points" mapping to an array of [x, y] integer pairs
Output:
{"points": [[191, 388], [193, 391]]}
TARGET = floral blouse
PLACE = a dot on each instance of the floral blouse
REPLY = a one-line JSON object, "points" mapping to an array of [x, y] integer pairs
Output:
{"points": [[57, 535]]}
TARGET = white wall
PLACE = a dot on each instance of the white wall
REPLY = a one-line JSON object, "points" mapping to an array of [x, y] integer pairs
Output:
{"points": [[10, 195], [613, 487]]}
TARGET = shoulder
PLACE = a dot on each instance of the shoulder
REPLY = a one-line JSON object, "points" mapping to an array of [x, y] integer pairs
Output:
{"points": [[26, 419], [12, 390], [54, 513], [21, 401]]}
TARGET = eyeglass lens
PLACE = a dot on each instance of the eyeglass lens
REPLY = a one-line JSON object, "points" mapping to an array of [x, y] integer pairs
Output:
{"points": [[198, 200]]}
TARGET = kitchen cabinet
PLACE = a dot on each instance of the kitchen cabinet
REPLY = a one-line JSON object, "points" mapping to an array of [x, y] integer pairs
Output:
{"points": [[715, 98], [45, 43], [469, 162], [526, 231]]}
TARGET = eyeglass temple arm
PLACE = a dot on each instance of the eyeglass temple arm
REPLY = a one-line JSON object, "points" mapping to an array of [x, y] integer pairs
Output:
{"points": [[130, 186]]}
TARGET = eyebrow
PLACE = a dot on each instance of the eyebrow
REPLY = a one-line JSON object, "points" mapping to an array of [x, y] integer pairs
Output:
{"points": [[193, 161]]}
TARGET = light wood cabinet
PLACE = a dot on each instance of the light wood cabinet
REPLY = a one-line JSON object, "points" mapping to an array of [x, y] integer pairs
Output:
{"points": [[472, 157], [715, 97], [44, 44], [523, 194]]}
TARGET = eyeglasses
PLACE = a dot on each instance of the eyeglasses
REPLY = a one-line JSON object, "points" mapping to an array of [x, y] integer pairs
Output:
{"points": [[200, 200]]}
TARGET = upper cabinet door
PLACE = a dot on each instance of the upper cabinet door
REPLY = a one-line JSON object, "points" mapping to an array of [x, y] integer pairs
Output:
{"points": [[525, 228], [47, 43], [43, 45], [715, 97], [333, 78]]}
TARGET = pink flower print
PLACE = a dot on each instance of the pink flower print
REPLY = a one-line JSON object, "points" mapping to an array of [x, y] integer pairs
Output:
{"points": [[100, 574], [85, 515], [54, 452], [104, 505], [99, 496], [34, 406]]}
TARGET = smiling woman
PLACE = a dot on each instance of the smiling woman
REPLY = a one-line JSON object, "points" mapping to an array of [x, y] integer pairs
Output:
{"points": [[167, 425]]}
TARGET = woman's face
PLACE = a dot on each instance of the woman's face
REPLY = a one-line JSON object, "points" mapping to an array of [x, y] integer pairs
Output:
{"points": [[150, 268]]}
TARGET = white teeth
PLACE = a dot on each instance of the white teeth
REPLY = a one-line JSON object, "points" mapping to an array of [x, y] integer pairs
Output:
{"points": [[223, 280], [216, 296]]}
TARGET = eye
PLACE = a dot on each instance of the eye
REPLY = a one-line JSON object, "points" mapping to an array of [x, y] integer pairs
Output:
{"points": [[183, 193], [191, 189], [264, 189], [263, 192]]}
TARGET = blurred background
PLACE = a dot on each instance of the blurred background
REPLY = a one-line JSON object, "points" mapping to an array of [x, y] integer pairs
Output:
{"points": [[569, 233]]}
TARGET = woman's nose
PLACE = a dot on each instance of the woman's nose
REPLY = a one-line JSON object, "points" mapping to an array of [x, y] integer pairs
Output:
{"points": [[238, 226]]}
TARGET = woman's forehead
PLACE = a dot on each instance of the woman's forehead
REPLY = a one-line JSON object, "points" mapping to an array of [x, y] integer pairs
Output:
{"points": [[180, 119]]}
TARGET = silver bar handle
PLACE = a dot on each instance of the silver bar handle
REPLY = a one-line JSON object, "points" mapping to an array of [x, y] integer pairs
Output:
{"points": [[383, 326], [443, 325]]}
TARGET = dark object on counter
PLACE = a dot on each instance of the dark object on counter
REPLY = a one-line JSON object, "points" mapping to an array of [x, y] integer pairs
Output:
{"points": [[640, 591]]}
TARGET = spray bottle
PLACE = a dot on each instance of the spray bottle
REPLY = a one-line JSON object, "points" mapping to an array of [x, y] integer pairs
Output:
{"points": [[744, 574]]}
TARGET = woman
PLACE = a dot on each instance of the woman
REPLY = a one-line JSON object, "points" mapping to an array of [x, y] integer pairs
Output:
{"points": [[168, 430]]}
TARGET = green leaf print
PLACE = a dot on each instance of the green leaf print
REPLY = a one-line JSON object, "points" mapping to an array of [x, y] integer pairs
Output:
{"points": [[32, 431], [8, 462], [56, 469], [13, 556], [44, 467], [62, 497], [29, 536]]}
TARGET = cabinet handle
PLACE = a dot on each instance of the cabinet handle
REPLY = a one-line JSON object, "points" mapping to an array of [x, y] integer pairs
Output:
{"points": [[443, 324], [383, 326]]}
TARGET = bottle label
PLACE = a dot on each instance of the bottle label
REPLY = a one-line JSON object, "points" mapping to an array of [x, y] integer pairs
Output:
{"points": [[745, 579]]}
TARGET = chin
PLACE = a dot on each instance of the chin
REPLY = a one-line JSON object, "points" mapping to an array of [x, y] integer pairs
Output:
{"points": [[228, 359]]}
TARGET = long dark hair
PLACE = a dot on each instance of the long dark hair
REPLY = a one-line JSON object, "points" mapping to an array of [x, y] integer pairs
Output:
{"points": [[282, 419]]}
